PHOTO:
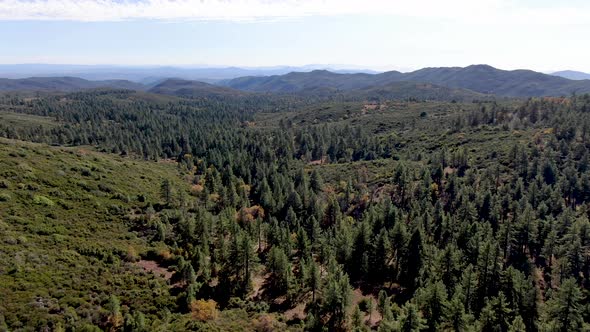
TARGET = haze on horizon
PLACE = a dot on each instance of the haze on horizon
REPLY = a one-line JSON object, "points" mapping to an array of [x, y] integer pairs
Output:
{"points": [[374, 34]]}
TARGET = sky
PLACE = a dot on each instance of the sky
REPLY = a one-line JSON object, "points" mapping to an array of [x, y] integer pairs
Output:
{"points": [[541, 35]]}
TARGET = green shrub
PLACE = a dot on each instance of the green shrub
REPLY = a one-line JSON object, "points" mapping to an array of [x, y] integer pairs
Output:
{"points": [[42, 200], [4, 197], [25, 167]]}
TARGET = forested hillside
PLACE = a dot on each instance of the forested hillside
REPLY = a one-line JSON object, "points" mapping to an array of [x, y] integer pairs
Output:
{"points": [[142, 212], [482, 79]]}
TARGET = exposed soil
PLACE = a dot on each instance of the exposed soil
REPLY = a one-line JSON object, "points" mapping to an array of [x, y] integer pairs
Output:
{"points": [[153, 267]]}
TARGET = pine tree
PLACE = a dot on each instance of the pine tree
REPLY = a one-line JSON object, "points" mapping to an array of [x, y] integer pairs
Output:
{"points": [[410, 320], [280, 267], [357, 323], [314, 281], [432, 301], [166, 191], [517, 325], [564, 309], [495, 315], [316, 182], [456, 319], [413, 260], [336, 298]]}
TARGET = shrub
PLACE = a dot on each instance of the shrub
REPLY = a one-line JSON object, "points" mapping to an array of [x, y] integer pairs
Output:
{"points": [[4, 197], [25, 167], [204, 310], [266, 323], [42, 200], [131, 255]]}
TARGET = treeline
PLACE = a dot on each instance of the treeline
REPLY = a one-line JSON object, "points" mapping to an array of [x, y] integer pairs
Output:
{"points": [[203, 128]]}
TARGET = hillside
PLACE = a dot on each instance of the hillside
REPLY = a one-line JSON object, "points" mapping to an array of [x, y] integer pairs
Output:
{"points": [[74, 244], [63, 84], [66, 231], [351, 86], [417, 91], [186, 88], [302, 81], [479, 78], [489, 80]]}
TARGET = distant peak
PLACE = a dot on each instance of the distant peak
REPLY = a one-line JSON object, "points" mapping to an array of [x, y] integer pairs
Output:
{"points": [[481, 67], [321, 71]]}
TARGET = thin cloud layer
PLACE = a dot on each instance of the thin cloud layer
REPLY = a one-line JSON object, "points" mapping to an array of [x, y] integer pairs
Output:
{"points": [[480, 12], [117, 10]]}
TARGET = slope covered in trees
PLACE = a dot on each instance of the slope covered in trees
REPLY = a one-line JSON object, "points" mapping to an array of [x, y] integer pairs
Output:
{"points": [[268, 212], [195, 89], [479, 78]]}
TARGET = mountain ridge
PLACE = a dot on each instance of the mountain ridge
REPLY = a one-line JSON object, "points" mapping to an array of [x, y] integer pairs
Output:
{"points": [[148, 74], [572, 75], [483, 79], [64, 83], [475, 80]]}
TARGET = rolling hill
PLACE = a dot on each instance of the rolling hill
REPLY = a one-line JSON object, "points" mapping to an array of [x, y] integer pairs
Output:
{"points": [[63, 84], [186, 88], [300, 81], [322, 83], [479, 78]]}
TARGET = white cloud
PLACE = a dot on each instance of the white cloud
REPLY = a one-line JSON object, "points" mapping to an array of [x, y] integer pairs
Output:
{"points": [[480, 11], [115, 10]]}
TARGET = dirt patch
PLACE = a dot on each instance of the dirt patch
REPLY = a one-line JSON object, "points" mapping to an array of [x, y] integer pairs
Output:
{"points": [[449, 170], [374, 316], [258, 281], [153, 267], [318, 161], [297, 313], [167, 161]]}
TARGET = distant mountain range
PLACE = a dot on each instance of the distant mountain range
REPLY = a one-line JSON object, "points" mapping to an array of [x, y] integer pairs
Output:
{"points": [[572, 75], [475, 81], [63, 84], [150, 74], [483, 79]]}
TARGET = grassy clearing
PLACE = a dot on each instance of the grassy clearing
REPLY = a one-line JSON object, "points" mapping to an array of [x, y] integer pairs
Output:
{"points": [[26, 120]]}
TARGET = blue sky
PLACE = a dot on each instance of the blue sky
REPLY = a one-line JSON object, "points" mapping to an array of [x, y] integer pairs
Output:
{"points": [[378, 34]]}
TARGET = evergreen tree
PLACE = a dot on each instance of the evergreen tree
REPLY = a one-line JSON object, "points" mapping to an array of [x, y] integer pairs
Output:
{"points": [[564, 311], [410, 319]]}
